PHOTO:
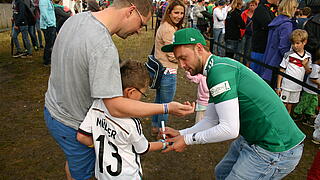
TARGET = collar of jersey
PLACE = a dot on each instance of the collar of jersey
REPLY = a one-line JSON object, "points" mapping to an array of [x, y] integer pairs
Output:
{"points": [[205, 69]]}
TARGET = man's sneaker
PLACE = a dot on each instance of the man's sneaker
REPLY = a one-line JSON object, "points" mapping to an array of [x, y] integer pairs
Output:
{"points": [[308, 123], [18, 54], [36, 48], [26, 55]]}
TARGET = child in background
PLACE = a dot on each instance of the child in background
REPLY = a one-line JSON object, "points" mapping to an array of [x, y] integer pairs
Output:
{"points": [[202, 96], [119, 142], [305, 110], [295, 63]]}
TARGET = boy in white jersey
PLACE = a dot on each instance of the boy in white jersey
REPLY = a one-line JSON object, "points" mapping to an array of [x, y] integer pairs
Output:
{"points": [[295, 63], [118, 142], [306, 108]]}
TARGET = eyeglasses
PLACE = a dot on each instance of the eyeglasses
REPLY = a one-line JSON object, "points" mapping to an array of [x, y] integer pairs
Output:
{"points": [[142, 23], [141, 92]]}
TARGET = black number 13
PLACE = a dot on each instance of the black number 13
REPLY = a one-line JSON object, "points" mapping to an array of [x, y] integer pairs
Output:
{"points": [[116, 155]]}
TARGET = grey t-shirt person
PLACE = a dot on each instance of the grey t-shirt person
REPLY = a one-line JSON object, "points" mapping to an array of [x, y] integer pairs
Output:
{"points": [[85, 66]]}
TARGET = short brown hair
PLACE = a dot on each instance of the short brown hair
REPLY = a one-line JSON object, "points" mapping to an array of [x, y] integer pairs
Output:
{"points": [[134, 74], [306, 11], [299, 35], [143, 6], [169, 9]]}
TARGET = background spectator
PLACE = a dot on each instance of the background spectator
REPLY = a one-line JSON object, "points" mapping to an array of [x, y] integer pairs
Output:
{"points": [[262, 16], [304, 16], [172, 21], [278, 43], [233, 25], [48, 26], [247, 33], [219, 16]]}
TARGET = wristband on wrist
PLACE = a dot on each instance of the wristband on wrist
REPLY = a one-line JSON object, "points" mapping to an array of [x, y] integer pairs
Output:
{"points": [[166, 109], [164, 144], [278, 88]]}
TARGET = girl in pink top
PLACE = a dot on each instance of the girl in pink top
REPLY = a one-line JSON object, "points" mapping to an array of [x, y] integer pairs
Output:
{"points": [[202, 96]]}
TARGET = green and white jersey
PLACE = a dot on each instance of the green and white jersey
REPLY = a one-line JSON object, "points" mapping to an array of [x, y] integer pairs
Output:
{"points": [[264, 120]]}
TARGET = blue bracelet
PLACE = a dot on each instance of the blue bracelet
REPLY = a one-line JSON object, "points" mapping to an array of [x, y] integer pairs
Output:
{"points": [[166, 110]]}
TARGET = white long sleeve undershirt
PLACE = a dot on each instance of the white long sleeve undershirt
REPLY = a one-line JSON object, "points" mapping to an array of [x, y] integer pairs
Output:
{"points": [[221, 123]]}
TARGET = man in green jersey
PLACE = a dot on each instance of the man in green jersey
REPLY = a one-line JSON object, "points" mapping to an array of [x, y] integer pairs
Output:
{"points": [[268, 143]]}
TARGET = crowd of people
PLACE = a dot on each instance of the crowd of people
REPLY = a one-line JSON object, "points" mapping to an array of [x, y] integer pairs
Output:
{"points": [[91, 94]]}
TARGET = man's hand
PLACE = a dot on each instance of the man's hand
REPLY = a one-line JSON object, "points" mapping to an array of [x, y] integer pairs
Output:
{"points": [[178, 109], [170, 132], [178, 144]]}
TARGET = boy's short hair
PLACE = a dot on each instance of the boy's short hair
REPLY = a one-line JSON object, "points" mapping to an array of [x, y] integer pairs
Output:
{"points": [[299, 35], [306, 11], [134, 74]]}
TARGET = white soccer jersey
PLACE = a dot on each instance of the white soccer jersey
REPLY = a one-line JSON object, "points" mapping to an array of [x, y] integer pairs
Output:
{"points": [[117, 142], [292, 62], [315, 74]]}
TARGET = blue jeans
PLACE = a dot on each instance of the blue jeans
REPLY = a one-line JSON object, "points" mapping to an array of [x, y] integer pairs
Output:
{"points": [[49, 37], [234, 46], [31, 30], [218, 38], [246, 41], [246, 162], [25, 38], [165, 94], [38, 30]]}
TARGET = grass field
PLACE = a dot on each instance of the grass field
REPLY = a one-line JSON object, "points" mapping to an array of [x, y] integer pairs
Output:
{"points": [[27, 151]]}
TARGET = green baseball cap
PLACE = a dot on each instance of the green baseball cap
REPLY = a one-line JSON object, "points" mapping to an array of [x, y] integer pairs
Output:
{"points": [[185, 36]]}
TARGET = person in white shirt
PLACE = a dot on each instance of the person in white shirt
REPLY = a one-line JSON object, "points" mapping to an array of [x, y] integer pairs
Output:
{"points": [[119, 142], [219, 16], [305, 109], [295, 63]]}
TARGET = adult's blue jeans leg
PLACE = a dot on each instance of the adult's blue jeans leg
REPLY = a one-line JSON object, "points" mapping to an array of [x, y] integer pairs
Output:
{"points": [[15, 34], [25, 38], [164, 94], [31, 30], [247, 47], [216, 34], [224, 167], [49, 36], [39, 32], [254, 162]]}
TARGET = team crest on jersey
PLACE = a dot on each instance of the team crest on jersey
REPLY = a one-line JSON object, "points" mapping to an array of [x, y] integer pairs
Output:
{"points": [[220, 88]]}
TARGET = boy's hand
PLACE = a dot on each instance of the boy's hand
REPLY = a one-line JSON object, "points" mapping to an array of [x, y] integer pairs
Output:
{"points": [[278, 91], [179, 109], [305, 62], [170, 132], [178, 144]]}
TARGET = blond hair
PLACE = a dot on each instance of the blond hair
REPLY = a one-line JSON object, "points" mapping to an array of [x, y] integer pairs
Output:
{"points": [[288, 7], [299, 35], [143, 6], [235, 4]]}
